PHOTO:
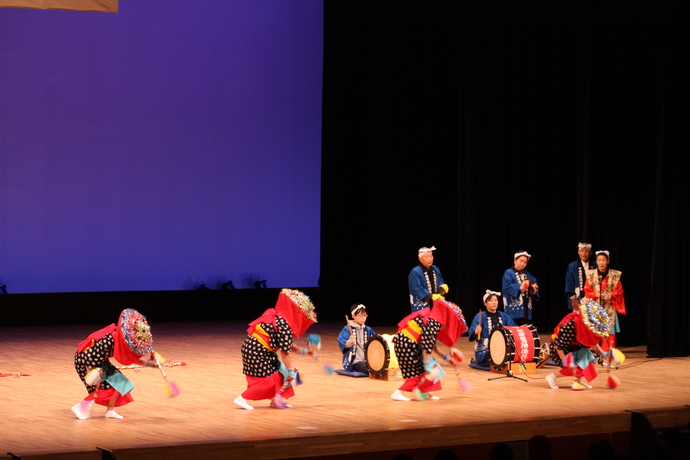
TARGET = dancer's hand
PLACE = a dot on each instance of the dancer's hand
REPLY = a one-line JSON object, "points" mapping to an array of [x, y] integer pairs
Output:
{"points": [[292, 374], [306, 351]]}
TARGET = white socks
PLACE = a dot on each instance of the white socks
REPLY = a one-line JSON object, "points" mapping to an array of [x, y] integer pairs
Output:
{"points": [[240, 401], [551, 379], [82, 411], [398, 396]]}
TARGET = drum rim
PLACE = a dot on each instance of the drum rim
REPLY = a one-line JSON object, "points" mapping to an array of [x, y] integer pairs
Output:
{"points": [[386, 352], [502, 330]]}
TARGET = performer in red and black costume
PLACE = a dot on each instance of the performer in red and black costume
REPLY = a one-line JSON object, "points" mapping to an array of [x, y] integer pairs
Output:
{"points": [[415, 341], [604, 286], [130, 342], [571, 342], [269, 336]]}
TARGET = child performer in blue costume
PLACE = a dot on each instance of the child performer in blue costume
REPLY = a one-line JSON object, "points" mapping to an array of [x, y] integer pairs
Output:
{"points": [[482, 325], [353, 339], [416, 339]]}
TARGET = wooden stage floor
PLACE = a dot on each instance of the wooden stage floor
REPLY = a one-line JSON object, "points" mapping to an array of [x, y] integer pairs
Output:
{"points": [[331, 415]]}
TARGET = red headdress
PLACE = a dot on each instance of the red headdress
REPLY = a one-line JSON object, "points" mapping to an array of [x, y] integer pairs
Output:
{"points": [[450, 315], [132, 337], [423, 313], [294, 307]]}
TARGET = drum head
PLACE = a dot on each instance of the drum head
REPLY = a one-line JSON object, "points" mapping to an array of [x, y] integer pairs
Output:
{"points": [[498, 348], [377, 355]]}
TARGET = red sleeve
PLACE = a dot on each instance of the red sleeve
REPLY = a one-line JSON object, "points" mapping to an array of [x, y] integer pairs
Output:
{"points": [[589, 292], [617, 299]]}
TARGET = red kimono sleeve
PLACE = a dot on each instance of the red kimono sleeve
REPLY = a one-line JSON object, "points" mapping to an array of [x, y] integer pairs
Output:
{"points": [[589, 292], [617, 299]]}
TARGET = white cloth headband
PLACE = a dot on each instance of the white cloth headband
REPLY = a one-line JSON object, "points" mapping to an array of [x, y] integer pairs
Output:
{"points": [[603, 252], [523, 253], [358, 309], [584, 246], [489, 293], [424, 250]]}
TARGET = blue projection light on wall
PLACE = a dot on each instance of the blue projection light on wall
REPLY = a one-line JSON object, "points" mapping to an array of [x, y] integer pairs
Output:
{"points": [[170, 145]]}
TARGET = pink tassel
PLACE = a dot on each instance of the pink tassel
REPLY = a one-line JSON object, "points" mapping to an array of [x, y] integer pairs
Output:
{"points": [[172, 389], [613, 381], [279, 402], [87, 405], [569, 361], [464, 385]]}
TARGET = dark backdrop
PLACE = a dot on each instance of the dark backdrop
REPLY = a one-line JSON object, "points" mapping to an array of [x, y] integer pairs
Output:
{"points": [[483, 129]]}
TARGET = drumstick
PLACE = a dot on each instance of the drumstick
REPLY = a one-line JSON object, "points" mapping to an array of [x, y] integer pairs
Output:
{"points": [[347, 320], [313, 347], [612, 380], [137, 367], [170, 386], [457, 357]]}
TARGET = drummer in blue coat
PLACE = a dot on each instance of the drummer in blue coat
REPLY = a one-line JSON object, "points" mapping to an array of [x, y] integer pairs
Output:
{"points": [[482, 325], [353, 339], [519, 289], [576, 276], [425, 282]]}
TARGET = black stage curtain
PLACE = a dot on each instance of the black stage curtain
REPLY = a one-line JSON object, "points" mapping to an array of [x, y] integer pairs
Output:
{"points": [[484, 128]]}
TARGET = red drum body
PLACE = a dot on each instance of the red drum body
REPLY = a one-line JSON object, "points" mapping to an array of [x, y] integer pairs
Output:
{"points": [[509, 344]]}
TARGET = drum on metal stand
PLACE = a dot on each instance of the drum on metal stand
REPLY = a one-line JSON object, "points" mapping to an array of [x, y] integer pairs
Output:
{"points": [[514, 344], [380, 357]]}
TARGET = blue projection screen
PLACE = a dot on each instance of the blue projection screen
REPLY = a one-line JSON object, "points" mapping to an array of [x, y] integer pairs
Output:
{"points": [[172, 144]]}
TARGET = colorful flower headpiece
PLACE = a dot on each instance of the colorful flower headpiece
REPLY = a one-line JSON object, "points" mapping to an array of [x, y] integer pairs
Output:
{"points": [[136, 331], [302, 301], [595, 317]]}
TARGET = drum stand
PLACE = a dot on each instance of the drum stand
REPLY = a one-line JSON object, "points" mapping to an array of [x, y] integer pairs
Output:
{"points": [[509, 374]]}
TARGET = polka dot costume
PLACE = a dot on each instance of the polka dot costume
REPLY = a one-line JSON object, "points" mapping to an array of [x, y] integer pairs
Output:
{"points": [[257, 360], [95, 356], [409, 353], [566, 340]]}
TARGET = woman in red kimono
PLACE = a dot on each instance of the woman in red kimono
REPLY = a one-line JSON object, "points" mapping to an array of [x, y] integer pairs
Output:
{"points": [[603, 285]]}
